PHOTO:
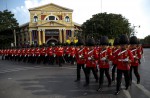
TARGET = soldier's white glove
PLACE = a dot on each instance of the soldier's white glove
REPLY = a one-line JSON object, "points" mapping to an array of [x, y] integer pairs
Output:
{"points": [[103, 59]]}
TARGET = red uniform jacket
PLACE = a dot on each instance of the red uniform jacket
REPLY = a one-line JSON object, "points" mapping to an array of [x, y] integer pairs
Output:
{"points": [[80, 55], [136, 55], [19, 52], [43, 51], [124, 55], [115, 52], [23, 52], [72, 52], [140, 49], [32, 52], [49, 51], [90, 58], [104, 57], [67, 50], [29, 51], [59, 51], [37, 52]]}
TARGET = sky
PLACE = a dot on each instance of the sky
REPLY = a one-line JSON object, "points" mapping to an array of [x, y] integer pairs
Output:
{"points": [[136, 11]]}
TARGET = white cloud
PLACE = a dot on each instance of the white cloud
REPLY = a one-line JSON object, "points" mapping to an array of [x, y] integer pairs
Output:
{"points": [[84, 9]]}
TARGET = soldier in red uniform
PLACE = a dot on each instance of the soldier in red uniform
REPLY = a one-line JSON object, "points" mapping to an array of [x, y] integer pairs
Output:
{"points": [[90, 63], [105, 55], [32, 54], [44, 54], [50, 53], [41, 53], [80, 52], [136, 54], [72, 53], [115, 51], [37, 54], [124, 57], [140, 49], [2, 54], [59, 53], [67, 53]]}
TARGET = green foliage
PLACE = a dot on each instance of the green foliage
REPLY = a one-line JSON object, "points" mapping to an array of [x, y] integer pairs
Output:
{"points": [[7, 25], [111, 25], [147, 40]]}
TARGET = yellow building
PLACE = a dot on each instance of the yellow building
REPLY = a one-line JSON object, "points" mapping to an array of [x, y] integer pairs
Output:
{"points": [[48, 23]]}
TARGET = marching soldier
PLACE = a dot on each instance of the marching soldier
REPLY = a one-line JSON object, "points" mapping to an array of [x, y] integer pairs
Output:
{"points": [[59, 53], [115, 51], [124, 57], [136, 54], [50, 53], [140, 48], [90, 63], [72, 53], [37, 54], [80, 52], [105, 55], [67, 53], [32, 54]]}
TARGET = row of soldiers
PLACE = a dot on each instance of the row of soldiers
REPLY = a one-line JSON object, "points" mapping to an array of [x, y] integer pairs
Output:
{"points": [[124, 56]]}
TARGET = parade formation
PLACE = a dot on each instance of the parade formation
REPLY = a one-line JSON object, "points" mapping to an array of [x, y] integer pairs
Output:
{"points": [[123, 56]]}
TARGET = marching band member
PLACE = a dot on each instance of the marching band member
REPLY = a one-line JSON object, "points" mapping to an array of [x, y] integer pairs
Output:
{"points": [[136, 54], [105, 55], [124, 59]]}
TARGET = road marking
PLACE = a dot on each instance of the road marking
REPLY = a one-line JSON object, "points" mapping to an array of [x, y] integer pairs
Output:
{"points": [[141, 87], [29, 68], [126, 92]]}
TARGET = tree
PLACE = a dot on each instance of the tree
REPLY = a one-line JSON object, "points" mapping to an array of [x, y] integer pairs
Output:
{"points": [[111, 25], [147, 40], [7, 25]]}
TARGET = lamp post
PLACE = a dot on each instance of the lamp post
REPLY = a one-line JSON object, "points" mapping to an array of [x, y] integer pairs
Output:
{"points": [[137, 26]]}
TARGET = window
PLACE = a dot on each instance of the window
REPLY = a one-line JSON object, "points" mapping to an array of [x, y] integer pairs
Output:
{"points": [[51, 17], [67, 19], [35, 18]]}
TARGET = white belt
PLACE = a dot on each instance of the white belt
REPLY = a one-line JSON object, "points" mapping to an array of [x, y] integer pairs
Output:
{"points": [[124, 60]]}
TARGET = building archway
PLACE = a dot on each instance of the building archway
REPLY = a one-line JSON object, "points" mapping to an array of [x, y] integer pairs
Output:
{"points": [[51, 40]]}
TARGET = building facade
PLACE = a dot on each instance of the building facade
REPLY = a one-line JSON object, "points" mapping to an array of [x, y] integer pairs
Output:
{"points": [[48, 23]]}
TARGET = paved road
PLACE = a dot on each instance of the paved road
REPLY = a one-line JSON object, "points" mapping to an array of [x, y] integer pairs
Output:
{"points": [[24, 80]]}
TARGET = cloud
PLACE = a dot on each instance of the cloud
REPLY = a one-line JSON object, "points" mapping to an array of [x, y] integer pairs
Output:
{"points": [[84, 9]]}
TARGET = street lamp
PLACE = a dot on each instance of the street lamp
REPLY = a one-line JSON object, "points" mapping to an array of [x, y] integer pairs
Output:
{"points": [[137, 26]]}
